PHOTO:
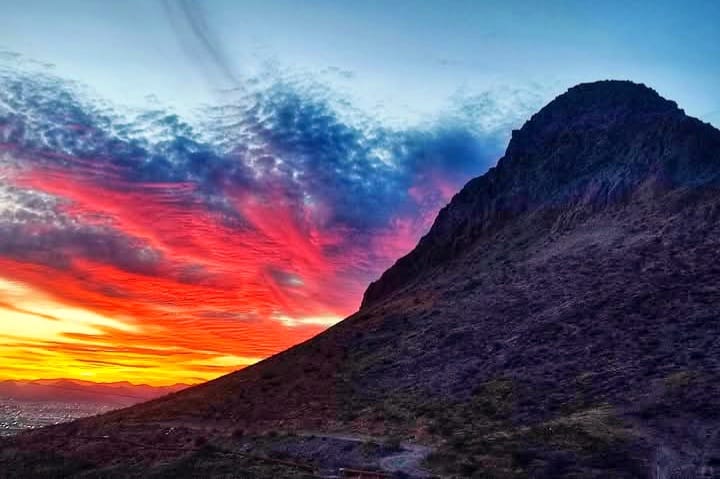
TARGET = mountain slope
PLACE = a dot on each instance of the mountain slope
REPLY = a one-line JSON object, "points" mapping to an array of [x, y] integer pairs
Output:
{"points": [[558, 320]]}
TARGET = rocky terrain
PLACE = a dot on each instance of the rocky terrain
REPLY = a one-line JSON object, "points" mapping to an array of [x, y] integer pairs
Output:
{"points": [[560, 319]]}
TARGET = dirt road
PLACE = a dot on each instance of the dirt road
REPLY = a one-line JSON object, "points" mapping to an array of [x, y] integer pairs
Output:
{"points": [[408, 460]]}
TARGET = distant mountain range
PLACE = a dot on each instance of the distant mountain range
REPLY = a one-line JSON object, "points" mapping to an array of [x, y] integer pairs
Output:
{"points": [[559, 320], [72, 390]]}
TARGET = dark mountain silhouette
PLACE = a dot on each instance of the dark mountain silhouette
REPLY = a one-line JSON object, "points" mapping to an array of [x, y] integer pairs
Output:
{"points": [[560, 319]]}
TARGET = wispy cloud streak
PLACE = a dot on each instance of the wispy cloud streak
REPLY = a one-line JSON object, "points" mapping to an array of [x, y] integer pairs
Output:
{"points": [[189, 21]]}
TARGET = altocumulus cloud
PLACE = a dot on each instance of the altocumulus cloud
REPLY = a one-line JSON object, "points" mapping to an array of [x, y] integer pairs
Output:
{"points": [[247, 231]]}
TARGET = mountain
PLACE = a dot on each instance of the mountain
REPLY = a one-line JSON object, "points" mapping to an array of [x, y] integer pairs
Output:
{"points": [[560, 319], [72, 390]]}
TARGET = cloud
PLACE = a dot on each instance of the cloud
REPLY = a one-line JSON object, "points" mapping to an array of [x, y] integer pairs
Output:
{"points": [[189, 21], [236, 236]]}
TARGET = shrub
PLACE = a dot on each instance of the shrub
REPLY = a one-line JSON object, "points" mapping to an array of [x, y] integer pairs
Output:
{"points": [[468, 468], [393, 443]]}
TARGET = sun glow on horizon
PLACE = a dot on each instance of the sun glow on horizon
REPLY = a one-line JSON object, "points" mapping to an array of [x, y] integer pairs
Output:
{"points": [[41, 335]]}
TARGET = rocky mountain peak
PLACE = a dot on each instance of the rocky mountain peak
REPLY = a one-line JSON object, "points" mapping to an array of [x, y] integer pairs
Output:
{"points": [[596, 106], [595, 145]]}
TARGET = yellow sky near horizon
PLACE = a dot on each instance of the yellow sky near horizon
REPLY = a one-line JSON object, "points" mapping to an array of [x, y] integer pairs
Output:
{"points": [[44, 338]]}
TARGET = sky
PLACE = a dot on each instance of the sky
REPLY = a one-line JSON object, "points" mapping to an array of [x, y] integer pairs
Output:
{"points": [[188, 187]]}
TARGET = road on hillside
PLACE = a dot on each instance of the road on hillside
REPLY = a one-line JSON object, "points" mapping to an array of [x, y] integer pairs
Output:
{"points": [[408, 460]]}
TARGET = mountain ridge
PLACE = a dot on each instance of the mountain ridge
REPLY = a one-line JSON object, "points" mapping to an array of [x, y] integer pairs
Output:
{"points": [[120, 393]]}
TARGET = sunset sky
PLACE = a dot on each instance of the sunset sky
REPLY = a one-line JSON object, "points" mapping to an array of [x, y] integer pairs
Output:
{"points": [[189, 187]]}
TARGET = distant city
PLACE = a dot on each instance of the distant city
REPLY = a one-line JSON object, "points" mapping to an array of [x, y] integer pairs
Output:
{"points": [[43, 402], [16, 416]]}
